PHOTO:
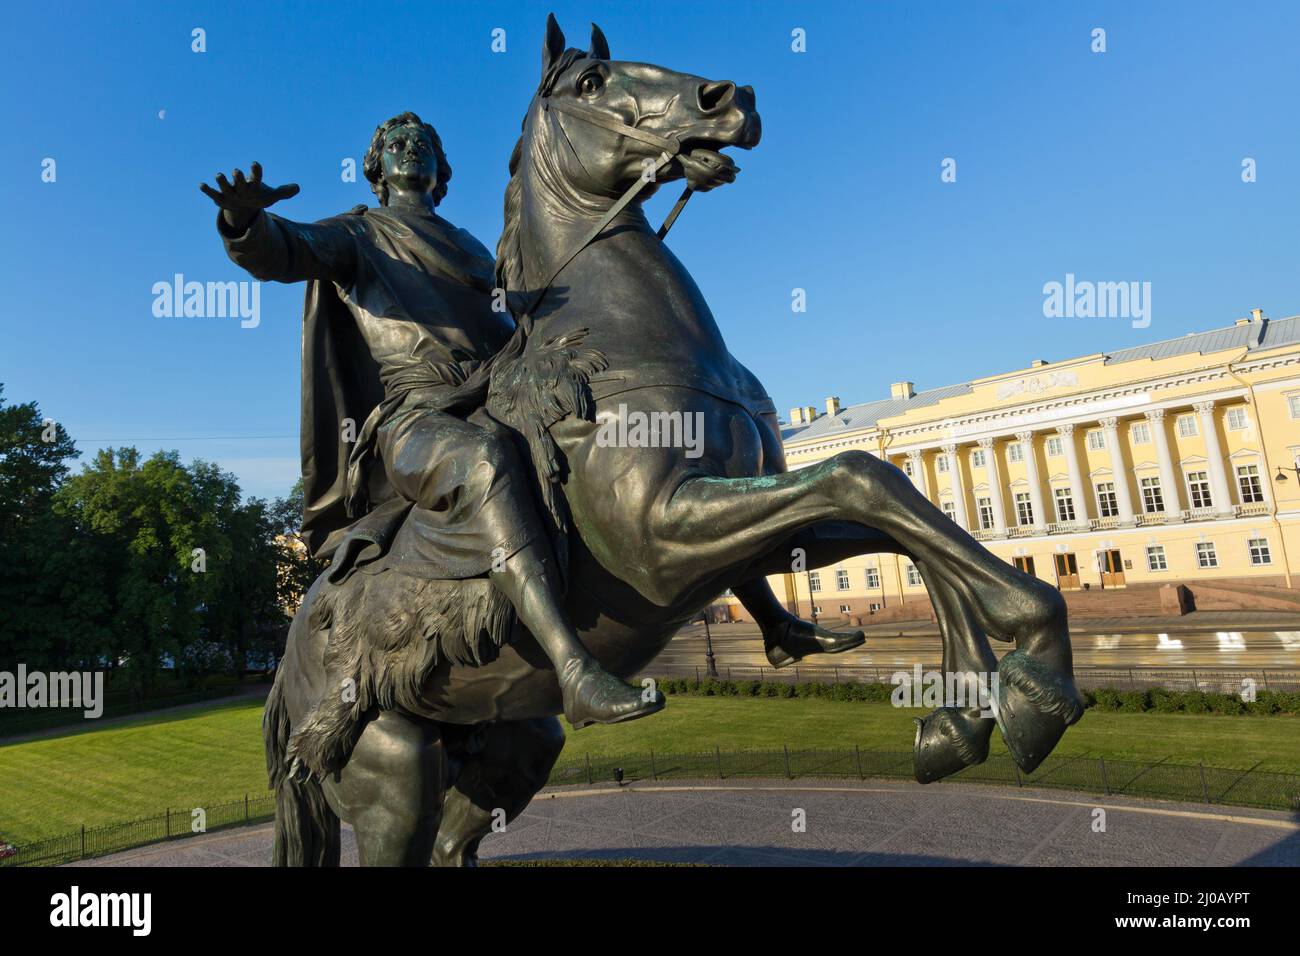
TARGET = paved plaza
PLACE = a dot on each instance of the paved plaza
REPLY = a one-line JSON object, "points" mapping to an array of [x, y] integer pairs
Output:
{"points": [[846, 824]]}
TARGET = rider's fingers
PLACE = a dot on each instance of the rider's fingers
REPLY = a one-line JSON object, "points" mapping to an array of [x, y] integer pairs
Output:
{"points": [[223, 182], [239, 178], [256, 170], [287, 191], [210, 192]]}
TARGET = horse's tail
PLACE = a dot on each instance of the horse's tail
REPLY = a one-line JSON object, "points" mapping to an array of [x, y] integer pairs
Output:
{"points": [[306, 829]]}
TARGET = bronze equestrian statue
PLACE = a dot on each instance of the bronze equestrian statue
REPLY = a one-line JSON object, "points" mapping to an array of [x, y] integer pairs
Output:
{"points": [[418, 693]]}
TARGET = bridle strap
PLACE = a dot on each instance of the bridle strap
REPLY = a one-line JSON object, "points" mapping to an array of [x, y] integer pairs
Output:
{"points": [[668, 147]]}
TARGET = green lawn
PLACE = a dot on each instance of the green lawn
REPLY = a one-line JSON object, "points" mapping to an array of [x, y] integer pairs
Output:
{"points": [[52, 786]]}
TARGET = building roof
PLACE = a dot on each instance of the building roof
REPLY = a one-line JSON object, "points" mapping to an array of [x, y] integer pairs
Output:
{"points": [[1253, 336]]}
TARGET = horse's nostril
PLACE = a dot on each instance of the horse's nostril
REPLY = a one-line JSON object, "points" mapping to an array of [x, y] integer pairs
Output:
{"points": [[713, 96]]}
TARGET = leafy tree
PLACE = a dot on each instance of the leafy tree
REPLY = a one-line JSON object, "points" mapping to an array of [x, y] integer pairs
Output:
{"points": [[33, 460]]}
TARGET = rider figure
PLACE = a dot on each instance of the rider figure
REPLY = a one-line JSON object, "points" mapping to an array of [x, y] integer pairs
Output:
{"points": [[419, 293]]}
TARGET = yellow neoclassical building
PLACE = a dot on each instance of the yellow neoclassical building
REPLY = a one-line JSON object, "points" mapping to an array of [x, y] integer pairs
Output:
{"points": [[1149, 465]]}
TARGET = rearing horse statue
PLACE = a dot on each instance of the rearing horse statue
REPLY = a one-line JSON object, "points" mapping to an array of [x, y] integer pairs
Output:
{"points": [[654, 534]]}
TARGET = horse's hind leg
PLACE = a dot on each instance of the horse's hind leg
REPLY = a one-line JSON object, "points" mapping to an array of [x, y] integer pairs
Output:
{"points": [[496, 784], [391, 790], [708, 521]]}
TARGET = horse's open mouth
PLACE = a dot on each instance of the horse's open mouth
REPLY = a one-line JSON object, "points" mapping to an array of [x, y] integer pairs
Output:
{"points": [[707, 168]]}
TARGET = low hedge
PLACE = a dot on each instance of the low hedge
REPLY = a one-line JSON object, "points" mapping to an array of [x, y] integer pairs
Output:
{"points": [[1267, 703]]}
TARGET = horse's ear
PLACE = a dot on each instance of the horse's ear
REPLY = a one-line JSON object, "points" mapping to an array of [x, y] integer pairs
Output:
{"points": [[553, 47], [599, 46]]}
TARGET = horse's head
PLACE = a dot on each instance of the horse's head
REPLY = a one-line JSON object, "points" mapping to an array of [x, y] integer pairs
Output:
{"points": [[610, 122]]}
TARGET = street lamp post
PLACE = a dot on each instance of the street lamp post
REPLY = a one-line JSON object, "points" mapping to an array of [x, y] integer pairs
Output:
{"points": [[812, 601], [709, 660]]}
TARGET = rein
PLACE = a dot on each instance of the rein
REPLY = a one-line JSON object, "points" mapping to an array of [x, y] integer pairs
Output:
{"points": [[668, 150]]}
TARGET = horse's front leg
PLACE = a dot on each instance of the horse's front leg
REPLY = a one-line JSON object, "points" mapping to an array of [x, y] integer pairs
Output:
{"points": [[708, 522], [956, 735]]}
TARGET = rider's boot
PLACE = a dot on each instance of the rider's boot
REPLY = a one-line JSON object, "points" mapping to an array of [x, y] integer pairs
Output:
{"points": [[787, 638], [791, 639], [591, 694]]}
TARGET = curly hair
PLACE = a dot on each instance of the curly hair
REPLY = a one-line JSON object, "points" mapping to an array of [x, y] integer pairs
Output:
{"points": [[373, 169]]}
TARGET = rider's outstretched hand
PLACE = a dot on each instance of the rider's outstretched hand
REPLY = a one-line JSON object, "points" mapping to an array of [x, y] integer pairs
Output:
{"points": [[241, 200]]}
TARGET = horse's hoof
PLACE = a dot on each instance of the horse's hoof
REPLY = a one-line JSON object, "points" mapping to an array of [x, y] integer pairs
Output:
{"points": [[1033, 706], [948, 741], [801, 638]]}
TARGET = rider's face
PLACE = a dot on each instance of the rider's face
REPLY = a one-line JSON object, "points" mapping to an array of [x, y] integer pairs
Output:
{"points": [[408, 161]]}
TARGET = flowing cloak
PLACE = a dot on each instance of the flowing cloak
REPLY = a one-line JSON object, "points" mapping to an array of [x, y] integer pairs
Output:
{"points": [[398, 302]]}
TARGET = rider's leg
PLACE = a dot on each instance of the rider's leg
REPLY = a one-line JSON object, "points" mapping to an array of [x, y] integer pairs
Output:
{"points": [[469, 472], [591, 694]]}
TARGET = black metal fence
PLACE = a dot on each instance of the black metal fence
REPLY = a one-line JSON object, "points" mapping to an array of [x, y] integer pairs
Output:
{"points": [[1161, 779], [171, 824], [1212, 680]]}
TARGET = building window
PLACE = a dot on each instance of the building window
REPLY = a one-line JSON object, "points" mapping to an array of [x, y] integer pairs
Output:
{"points": [[1187, 426], [1293, 403], [1198, 489], [817, 608], [950, 509], [842, 579], [1156, 558], [1237, 420], [985, 506], [1064, 505], [1252, 489], [941, 464], [1152, 499], [1107, 507], [874, 607], [873, 579], [1015, 452], [1024, 508], [1096, 441], [814, 581], [1259, 553], [913, 576], [844, 609], [1141, 434], [1205, 555], [977, 458], [1054, 446], [907, 467]]}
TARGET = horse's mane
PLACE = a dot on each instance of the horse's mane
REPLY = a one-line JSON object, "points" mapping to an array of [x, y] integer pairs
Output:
{"points": [[510, 254]]}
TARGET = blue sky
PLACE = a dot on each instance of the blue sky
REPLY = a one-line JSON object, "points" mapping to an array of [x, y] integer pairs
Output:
{"points": [[1115, 166]]}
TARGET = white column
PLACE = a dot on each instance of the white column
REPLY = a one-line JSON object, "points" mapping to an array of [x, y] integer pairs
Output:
{"points": [[1214, 452], [995, 485], [1078, 494], [1169, 489], [958, 486], [1119, 468], [916, 459], [1041, 517]]}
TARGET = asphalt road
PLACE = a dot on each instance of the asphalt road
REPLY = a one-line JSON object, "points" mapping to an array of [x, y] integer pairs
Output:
{"points": [[740, 644]]}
